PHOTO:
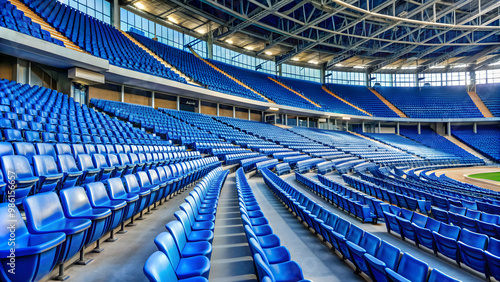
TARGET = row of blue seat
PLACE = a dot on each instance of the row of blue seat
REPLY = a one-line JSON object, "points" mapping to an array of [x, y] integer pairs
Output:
{"points": [[80, 217], [269, 164], [283, 168], [473, 220], [185, 250], [48, 171], [379, 259], [231, 159], [271, 259], [248, 164], [406, 200], [478, 251], [306, 165], [359, 205]]}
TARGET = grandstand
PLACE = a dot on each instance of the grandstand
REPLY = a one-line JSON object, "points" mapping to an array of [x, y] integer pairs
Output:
{"points": [[249, 141]]}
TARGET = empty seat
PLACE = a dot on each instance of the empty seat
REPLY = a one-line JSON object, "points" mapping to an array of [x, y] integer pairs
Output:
{"points": [[409, 269], [17, 169], [25, 149], [99, 198], [76, 205], [194, 266], [446, 241], [90, 172], [71, 174], [38, 253], [472, 246], [41, 220], [387, 257], [159, 269], [46, 169]]}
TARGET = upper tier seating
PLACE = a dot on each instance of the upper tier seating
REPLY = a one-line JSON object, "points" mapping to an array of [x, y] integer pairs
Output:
{"points": [[430, 138], [490, 95], [196, 69], [313, 91], [357, 146], [363, 98], [12, 18], [484, 141], [261, 83], [99, 39], [432, 101], [411, 146]]}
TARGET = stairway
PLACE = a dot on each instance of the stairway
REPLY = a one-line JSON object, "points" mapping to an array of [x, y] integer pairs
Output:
{"points": [[480, 104], [230, 76], [388, 104], [341, 99], [467, 148], [295, 92], [163, 62], [44, 25], [282, 125]]}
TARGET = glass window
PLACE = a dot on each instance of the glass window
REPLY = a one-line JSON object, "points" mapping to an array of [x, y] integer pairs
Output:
{"points": [[100, 9]]}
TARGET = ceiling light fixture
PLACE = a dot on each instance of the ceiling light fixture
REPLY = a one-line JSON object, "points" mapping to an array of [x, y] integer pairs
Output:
{"points": [[339, 65], [437, 67], [249, 48], [229, 41], [139, 5], [359, 67], [313, 62], [170, 19], [295, 59], [268, 53]]}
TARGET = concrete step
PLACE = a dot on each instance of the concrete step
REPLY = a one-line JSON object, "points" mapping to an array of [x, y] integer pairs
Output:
{"points": [[341, 99], [480, 104], [388, 104], [44, 25]]}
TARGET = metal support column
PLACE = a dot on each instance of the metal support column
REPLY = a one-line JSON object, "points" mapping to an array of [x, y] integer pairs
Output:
{"points": [[217, 109], [307, 121], [122, 94], [115, 15], [449, 128], [475, 127], [249, 115], [418, 128], [234, 112], [178, 103], [397, 128], [153, 99]]}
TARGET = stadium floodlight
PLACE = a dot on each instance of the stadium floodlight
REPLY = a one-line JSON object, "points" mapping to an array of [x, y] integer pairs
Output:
{"points": [[273, 109]]}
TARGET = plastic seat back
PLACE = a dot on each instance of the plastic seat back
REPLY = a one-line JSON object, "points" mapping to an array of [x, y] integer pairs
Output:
{"points": [[159, 269], [412, 269], [25, 149]]}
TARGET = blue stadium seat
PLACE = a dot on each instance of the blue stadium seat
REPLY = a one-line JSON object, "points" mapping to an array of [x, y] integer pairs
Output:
{"points": [[71, 174], [409, 269], [159, 269], [99, 198], [76, 205], [90, 172], [369, 244], [37, 253], [472, 246], [387, 257], [41, 220], [18, 170], [446, 241], [46, 169], [194, 266]]}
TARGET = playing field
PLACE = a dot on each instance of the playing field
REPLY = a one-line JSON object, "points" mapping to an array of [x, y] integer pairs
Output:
{"points": [[495, 176]]}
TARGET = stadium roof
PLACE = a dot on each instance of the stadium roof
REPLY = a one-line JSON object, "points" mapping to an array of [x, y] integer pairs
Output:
{"points": [[368, 35]]}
